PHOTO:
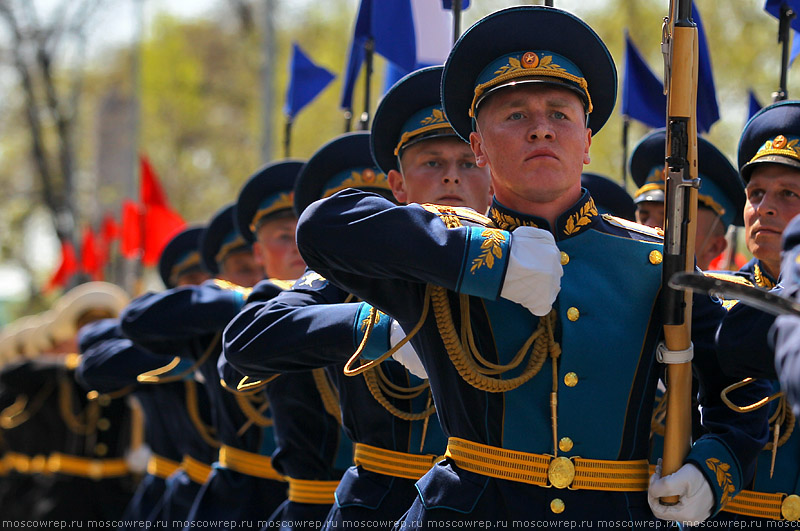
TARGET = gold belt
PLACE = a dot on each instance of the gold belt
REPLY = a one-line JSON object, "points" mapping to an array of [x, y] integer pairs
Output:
{"points": [[244, 462], [72, 465], [772, 505], [312, 491], [197, 471], [25, 464], [161, 466], [547, 471], [391, 463]]}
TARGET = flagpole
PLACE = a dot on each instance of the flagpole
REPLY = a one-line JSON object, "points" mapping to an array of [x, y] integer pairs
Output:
{"points": [[369, 49], [267, 77], [456, 19], [135, 268], [785, 38], [287, 138], [626, 122]]}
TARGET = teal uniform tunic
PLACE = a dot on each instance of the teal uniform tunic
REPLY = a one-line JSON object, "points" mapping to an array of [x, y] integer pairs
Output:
{"points": [[607, 326]]}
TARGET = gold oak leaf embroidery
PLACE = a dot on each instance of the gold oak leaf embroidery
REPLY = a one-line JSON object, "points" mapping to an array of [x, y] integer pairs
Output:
{"points": [[579, 219], [724, 479], [506, 222], [491, 248], [436, 117]]}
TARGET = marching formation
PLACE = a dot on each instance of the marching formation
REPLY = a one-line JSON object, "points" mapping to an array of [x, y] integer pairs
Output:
{"points": [[440, 321]]}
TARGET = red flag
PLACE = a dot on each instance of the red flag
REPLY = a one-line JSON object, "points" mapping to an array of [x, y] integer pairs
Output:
{"points": [[67, 268], [149, 187], [90, 256], [161, 222], [109, 231], [160, 225], [131, 236]]}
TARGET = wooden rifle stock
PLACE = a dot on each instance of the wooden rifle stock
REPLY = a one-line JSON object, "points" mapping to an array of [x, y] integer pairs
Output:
{"points": [[680, 46]]}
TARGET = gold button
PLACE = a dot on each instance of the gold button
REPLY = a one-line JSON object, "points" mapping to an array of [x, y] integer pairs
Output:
{"points": [[557, 505], [790, 508], [103, 424], [564, 258], [101, 449], [92, 395], [565, 444], [573, 314], [655, 257], [104, 400], [571, 379]]}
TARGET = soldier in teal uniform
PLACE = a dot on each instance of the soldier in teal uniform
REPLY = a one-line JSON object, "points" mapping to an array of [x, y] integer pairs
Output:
{"points": [[539, 381], [172, 409], [720, 199], [386, 410], [770, 167], [185, 324], [312, 451]]}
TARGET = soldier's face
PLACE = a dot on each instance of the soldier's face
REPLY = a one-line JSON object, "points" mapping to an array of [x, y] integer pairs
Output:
{"points": [[241, 269], [773, 199], [534, 139], [650, 213], [276, 251], [442, 171]]}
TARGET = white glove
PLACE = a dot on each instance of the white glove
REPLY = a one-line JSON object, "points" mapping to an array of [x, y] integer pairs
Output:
{"points": [[406, 354], [696, 497], [533, 276]]}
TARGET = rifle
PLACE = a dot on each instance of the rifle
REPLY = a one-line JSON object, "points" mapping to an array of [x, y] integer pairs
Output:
{"points": [[679, 45]]}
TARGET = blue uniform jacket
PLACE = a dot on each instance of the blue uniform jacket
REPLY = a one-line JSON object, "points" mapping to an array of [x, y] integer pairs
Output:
{"points": [[111, 362], [608, 327], [308, 327]]}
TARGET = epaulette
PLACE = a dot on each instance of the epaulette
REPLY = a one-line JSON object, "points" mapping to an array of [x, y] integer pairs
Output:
{"points": [[283, 284], [455, 216], [224, 284], [653, 232], [728, 277]]}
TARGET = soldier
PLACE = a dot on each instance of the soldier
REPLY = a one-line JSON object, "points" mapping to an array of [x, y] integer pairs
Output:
{"points": [[311, 450], [387, 411], [769, 164], [187, 322], [76, 448], [176, 413], [720, 199], [770, 169], [535, 380]]}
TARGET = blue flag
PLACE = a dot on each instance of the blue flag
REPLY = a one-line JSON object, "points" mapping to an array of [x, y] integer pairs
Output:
{"points": [[795, 47], [390, 24], [753, 105], [642, 92], [306, 80], [448, 4], [773, 7], [707, 109]]}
